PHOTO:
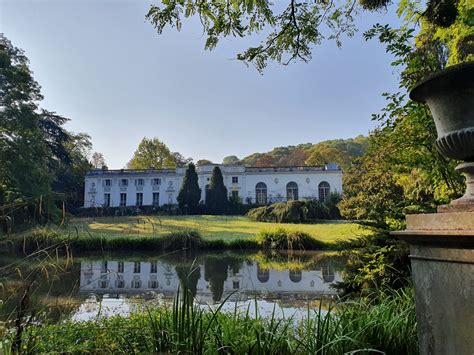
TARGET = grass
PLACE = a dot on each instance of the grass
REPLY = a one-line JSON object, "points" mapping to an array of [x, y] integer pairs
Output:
{"points": [[226, 228], [387, 326]]}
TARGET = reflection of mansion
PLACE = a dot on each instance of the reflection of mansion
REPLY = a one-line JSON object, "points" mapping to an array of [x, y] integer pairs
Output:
{"points": [[152, 187], [123, 277]]}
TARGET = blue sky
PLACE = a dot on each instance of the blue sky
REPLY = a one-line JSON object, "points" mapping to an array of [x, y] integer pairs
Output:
{"points": [[102, 65]]}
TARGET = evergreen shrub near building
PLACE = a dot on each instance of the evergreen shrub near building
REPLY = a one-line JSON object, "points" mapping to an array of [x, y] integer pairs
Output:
{"points": [[297, 211], [190, 193]]}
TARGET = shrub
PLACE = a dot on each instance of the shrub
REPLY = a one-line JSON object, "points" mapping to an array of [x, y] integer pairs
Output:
{"points": [[282, 239], [296, 211]]}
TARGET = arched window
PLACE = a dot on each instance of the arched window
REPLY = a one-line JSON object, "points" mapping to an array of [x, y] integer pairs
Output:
{"points": [[324, 190], [261, 193], [292, 191], [262, 274], [295, 275], [328, 274]]}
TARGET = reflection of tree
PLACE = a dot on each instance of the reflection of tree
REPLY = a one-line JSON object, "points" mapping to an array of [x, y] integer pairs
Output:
{"points": [[189, 276], [216, 269], [50, 287]]}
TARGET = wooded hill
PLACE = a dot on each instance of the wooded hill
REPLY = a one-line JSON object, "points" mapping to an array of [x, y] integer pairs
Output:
{"points": [[341, 151]]}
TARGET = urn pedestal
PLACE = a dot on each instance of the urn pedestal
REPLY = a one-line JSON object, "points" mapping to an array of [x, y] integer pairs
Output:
{"points": [[442, 261]]}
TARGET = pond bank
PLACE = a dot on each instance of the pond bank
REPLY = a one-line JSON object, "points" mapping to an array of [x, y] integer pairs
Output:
{"points": [[279, 239]]}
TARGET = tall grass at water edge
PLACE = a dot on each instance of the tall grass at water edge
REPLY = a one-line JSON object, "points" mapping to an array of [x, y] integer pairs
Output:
{"points": [[386, 324]]}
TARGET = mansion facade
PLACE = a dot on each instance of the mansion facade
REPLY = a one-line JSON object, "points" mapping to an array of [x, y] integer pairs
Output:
{"points": [[256, 185]]}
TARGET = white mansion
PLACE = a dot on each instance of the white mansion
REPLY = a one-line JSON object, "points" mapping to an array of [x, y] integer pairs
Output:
{"points": [[156, 187]]}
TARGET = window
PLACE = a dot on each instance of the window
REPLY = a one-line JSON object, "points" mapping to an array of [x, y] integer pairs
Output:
{"points": [[153, 284], [139, 182], [123, 200], [235, 179], [124, 182], [156, 198], [120, 283], [106, 200], [153, 267], [235, 285], [107, 182], [291, 191], [103, 283], [261, 193], [295, 275], [156, 181], [136, 267], [263, 275], [103, 267], [136, 283], [120, 267], [324, 190], [139, 199], [235, 194]]}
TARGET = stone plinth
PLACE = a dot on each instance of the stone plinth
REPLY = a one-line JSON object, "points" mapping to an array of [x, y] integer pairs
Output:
{"points": [[442, 259]]}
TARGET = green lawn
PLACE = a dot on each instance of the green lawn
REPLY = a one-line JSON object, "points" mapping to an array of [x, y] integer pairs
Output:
{"points": [[211, 227]]}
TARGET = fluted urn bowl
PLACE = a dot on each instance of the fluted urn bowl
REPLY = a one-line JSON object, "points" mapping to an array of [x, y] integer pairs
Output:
{"points": [[450, 97]]}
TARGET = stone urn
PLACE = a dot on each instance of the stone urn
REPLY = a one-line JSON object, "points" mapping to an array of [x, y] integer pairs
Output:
{"points": [[442, 244], [450, 97]]}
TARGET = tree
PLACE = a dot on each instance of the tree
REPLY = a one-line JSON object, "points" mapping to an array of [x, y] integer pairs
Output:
{"points": [[216, 196], [204, 162], [180, 160], [190, 193], [152, 153], [231, 160], [37, 153], [291, 29], [97, 160], [402, 171]]}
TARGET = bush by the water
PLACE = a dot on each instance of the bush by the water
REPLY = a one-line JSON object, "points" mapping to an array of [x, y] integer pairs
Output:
{"points": [[296, 211], [282, 239]]}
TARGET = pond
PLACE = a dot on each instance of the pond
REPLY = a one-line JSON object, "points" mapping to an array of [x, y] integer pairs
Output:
{"points": [[84, 288]]}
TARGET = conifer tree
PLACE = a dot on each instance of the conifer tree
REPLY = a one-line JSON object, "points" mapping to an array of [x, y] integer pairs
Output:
{"points": [[190, 193], [216, 197]]}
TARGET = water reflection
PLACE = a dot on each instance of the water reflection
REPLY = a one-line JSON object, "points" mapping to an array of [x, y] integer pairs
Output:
{"points": [[118, 284], [210, 279]]}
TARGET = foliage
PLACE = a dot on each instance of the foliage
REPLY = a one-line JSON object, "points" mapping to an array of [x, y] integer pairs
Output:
{"points": [[231, 160], [216, 195], [402, 171], [38, 156], [190, 193], [152, 153], [340, 151], [297, 211], [379, 263], [282, 239], [291, 29], [97, 160], [204, 162], [386, 324]]}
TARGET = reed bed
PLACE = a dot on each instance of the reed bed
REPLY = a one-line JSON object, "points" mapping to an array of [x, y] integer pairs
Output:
{"points": [[384, 324]]}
